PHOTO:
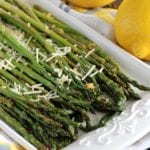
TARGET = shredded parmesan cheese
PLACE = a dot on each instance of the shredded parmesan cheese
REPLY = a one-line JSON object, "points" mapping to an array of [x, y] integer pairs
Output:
{"points": [[28, 24], [59, 52], [37, 55], [64, 79], [18, 59], [75, 71], [89, 72], [46, 28], [19, 35], [50, 42], [98, 71], [35, 87], [2, 46], [6, 64], [58, 71], [77, 78], [29, 40], [50, 95], [89, 53], [32, 92], [16, 89]]}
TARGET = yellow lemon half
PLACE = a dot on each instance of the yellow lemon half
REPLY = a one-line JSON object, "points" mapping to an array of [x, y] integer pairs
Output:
{"points": [[90, 3], [132, 27]]}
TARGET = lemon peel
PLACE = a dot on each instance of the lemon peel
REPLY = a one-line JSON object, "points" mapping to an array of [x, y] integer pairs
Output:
{"points": [[90, 3], [132, 27]]}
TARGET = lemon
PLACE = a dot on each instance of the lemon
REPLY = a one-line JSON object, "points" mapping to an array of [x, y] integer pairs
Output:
{"points": [[90, 3], [8, 146], [79, 9], [15, 147], [106, 15], [132, 27]]}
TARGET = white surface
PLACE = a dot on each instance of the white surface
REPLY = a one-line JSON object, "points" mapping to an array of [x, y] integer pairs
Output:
{"points": [[134, 122]]}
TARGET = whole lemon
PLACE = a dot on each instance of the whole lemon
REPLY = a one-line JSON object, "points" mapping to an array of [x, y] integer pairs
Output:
{"points": [[90, 3], [132, 27]]}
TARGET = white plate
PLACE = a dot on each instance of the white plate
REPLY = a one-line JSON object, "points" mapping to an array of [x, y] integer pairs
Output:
{"points": [[123, 130]]}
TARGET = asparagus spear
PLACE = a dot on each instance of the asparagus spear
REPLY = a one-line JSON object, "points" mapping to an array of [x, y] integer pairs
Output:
{"points": [[18, 127], [27, 9], [45, 82], [82, 61], [30, 30], [45, 121], [46, 16]]}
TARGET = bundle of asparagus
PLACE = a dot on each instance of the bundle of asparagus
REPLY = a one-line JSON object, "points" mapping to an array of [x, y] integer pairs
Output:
{"points": [[52, 78]]}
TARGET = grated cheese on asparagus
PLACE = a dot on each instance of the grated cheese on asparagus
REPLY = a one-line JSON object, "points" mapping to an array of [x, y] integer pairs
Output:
{"points": [[19, 59], [50, 42], [50, 95], [20, 36], [46, 27], [28, 24], [16, 88], [89, 53], [98, 71], [2, 46], [60, 51], [77, 78], [35, 87], [6, 64], [32, 92], [64, 79], [37, 55], [75, 71], [89, 72], [58, 71], [29, 40]]}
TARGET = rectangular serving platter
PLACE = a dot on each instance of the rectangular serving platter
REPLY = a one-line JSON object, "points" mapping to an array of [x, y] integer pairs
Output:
{"points": [[123, 130]]}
